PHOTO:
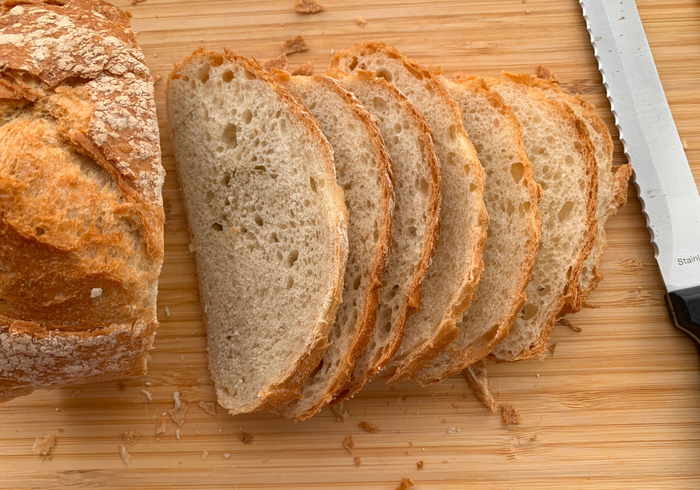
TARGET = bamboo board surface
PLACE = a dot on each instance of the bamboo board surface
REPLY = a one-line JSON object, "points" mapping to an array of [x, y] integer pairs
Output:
{"points": [[617, 405]]}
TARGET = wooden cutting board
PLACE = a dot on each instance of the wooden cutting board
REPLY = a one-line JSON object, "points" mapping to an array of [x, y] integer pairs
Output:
{"points": [[617, 405]]}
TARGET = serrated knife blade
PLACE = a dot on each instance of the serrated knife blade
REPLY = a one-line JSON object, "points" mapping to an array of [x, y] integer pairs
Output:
{"points": [[668, 192]]}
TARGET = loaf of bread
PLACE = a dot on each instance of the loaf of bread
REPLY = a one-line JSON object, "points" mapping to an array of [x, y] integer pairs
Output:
{"points": [[268, 223], [364, 171], [456, 269], [81, 214]]}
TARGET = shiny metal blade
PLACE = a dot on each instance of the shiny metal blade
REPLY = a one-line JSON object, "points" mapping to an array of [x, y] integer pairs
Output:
{"points": [[669, 195]]}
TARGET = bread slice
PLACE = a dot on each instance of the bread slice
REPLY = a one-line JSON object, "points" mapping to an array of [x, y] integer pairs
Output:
{"points": [[81, 211], [513, 235], [457, 266], [417, 205], [363, 170], [612, 181], [268, 223], [563, 162]]}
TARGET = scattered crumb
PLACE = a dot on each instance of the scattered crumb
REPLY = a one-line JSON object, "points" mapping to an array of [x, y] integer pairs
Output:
{"points": [[136, 2], [209, 407], [349, 444], [280, 63], [358, 461], [226, 455], [148, 395], [453, 430], [332, 51], [191, 248], [58, 409], [294, 45], [147, 383], [205, 454], [167, 312], [126, 457], [533, 437], [121, 387], [42, 445], [361, 21], [61, 431], [510, 415], [75, 393], [157, 78], [454, 405], [443, 421], [685, 144], [308, 7], [546, 74], [128, 13], [177, 413], [478, 380], [95, 293], [131, 437], [161, 425], [340, 412], [527, 12], [303, 70], [245, 437], [552, 348], [405, 484], [371, 428], [177, 434], [568, 323], [420, 464]]}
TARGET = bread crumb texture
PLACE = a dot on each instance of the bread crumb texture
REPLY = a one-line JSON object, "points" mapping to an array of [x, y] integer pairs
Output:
{"points": [[303, 70], [126, 457], [42, 445], [308, 7], [280, 63], [405, 484], [510, 415], [294, 45], [131, 437], [370, 428], [349, 444], [340, 412], [177, 413]]}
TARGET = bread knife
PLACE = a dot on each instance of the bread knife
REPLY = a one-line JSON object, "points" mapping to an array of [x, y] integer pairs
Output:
{"points": [[668, 192]]}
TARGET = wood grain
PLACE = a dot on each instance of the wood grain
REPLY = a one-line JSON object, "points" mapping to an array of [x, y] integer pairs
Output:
{"points": [[617, 405]]}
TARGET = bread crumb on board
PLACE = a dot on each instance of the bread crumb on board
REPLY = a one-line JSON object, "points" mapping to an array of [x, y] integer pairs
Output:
{"points": [[303, 70], [161, 425], [340, 412], [42, 445], [209, 407], [568, 323], [552, 348], [349, 444], [226, 455], [280, 63], [126, 457], [685, 144], [136, 2], [157, 78], [546, 74], [370, 428], [420, 464], [147, 394], [131, 437], [308, 7], [205, 454], [358, 461], [361, 21], [510, 415], [294, 45], [177, 413], [245, 437], [167, 311], [405, 484]]}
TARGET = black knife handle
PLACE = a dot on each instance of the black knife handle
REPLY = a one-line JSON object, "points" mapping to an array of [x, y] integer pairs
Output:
{"points": [[684, 306]]}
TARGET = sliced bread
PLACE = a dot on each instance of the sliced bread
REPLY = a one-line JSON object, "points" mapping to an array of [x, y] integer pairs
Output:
{"points": [[267, 221], [363, 170], [612, 181], [451, 279], [563, 162], [417, 205], [513, 235]]}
